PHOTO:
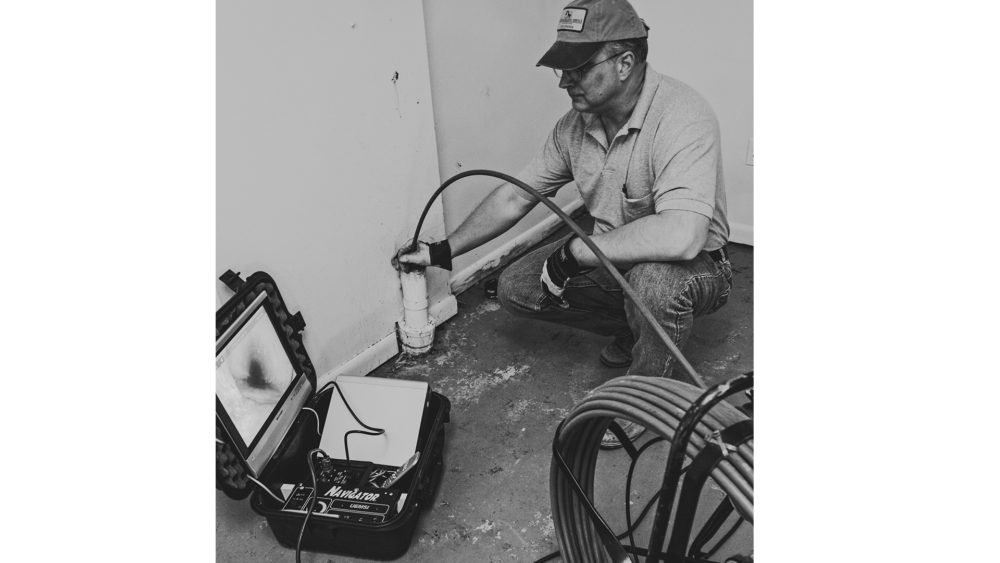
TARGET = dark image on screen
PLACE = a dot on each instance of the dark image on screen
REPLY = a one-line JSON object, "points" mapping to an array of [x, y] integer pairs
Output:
{"points": [[252, 373]]}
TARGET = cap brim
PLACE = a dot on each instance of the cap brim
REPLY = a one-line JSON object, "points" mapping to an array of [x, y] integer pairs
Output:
{"points": [[567, 56]]}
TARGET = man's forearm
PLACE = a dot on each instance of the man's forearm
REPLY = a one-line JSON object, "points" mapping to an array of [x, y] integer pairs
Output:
{"points": [[663, 237], [501, 209]]}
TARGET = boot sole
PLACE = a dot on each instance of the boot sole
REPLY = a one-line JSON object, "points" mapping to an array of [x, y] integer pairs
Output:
{"points": [[608, 363], [614, 444]]}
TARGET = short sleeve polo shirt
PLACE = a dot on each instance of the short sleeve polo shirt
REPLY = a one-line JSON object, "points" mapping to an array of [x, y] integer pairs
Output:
{"points": [[667, 156]]}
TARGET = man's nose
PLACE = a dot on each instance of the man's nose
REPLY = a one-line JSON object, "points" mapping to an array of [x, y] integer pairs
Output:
{"points": [[564, 80]]}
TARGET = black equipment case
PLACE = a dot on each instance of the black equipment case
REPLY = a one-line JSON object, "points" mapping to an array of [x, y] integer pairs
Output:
{"points": [[386, 540]]}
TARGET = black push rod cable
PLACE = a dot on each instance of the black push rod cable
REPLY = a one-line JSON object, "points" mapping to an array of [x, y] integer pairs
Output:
{"points": [[608, 265]]}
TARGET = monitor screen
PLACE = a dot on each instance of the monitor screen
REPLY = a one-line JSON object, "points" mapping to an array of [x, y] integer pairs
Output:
{"points": [[259, 386]]}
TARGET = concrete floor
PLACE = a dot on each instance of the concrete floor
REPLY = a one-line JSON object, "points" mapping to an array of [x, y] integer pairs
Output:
{"points": [[510, 382]]}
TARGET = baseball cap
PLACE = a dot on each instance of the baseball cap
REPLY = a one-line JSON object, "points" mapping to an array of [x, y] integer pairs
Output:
{"points": [[584, 25]]}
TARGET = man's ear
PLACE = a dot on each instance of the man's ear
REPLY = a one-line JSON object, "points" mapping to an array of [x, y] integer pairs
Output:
{"points": [[626, 64]]}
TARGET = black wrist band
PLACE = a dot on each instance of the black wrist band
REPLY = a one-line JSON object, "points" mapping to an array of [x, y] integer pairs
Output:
{"points": [[568, 262], [440, 254]]}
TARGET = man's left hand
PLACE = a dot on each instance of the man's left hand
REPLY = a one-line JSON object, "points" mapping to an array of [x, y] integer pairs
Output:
{"points": [[558, 268]]}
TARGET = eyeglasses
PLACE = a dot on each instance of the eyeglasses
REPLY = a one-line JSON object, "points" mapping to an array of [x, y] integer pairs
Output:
{"points": [[577, 74]]}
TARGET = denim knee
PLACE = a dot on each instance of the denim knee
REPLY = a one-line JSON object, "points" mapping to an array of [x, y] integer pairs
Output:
{"points": [[660, 286], [504, 290], [516, 293], [519, 288], [699, 286]]}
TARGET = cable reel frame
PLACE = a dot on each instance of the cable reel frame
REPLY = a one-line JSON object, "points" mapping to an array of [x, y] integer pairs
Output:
{"points": [[728, 438]]}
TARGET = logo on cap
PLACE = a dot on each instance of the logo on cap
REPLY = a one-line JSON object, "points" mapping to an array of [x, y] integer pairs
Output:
{"points": [[572, 19]]}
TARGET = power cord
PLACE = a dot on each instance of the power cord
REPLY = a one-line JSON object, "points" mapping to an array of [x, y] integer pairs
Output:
{"points": [[369, 431], [319, 431], [266, 489], [312, 501], [257, 482]]}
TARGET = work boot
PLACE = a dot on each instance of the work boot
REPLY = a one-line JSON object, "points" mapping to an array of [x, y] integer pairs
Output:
{"points": [[632, 429], [618, 354]]}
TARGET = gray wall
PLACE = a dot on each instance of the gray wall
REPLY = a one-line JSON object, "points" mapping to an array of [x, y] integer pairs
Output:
{"points": [[323, 161], [493, 107]]}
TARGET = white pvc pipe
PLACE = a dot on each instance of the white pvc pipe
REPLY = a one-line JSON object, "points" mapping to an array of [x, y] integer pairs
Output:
{"points": [[416, 331], [414, 286]]}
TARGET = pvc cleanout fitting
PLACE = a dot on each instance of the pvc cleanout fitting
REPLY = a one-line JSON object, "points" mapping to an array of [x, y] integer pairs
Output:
{"points": [[416, 329]]}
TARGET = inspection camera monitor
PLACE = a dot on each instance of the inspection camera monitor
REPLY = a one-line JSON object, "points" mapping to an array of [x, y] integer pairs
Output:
{"points": [[259, 385]]}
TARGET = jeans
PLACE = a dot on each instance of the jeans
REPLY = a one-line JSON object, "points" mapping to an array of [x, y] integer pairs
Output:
{"points": [[675, 292]]}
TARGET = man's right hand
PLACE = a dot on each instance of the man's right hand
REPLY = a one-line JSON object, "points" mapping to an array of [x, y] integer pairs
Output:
{"points": [[419, 256], [435, 254]]}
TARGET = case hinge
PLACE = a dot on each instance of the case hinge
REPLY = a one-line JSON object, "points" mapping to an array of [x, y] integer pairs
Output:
{"points": [[297, 322], [232, 280]]}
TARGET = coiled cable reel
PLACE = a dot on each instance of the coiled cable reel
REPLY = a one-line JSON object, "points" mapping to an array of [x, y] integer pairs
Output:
{"points": [[661, 405]]}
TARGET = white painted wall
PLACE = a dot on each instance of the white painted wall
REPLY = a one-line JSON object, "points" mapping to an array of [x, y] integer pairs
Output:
{"points": [[493, 107], [323, 161], [709, 45]]}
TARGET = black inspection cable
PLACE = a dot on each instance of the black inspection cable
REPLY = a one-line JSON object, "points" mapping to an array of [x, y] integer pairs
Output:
{"points": [[628, 490], [629, 398], [642, 516], [621, 403], [612, 398], [583, 429], [605, 534], [725, 537], [630, 526], [608, 265]]}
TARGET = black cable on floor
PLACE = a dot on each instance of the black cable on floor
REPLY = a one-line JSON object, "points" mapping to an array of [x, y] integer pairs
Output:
{"points": [[312, 502]]}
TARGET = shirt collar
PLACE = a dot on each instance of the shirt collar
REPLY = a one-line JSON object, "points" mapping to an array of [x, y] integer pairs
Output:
{"points": [[642, 105], [649, 87]]}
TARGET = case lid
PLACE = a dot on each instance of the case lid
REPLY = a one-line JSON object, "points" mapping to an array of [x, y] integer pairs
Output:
{"points": [[263, 375]]}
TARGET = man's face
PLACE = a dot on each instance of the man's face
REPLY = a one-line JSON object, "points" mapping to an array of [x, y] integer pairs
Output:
{"points": [[596, 86]]}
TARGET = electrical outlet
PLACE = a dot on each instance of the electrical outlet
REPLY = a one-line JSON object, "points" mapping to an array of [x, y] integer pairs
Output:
{"points": [[750, 152]]}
